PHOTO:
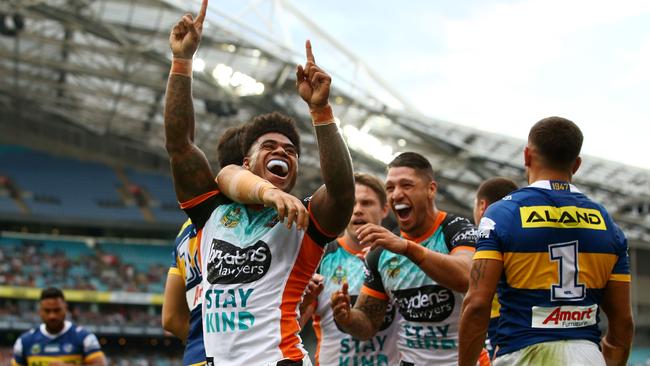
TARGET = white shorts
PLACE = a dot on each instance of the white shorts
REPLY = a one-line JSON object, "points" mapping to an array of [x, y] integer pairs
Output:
{"points": [[566, 353]]}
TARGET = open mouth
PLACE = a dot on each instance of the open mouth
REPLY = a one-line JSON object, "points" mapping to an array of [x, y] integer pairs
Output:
{"points": [[403, 211], [278, 167], [359, 222]]}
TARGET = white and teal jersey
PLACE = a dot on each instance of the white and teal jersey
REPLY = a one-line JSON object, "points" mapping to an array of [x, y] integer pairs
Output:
{"points": [[428, 325], [254, 271], [340, 264]]}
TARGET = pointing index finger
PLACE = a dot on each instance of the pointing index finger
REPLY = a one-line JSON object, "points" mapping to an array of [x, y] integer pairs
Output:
{"points": [[310, 55], [201, 16]]}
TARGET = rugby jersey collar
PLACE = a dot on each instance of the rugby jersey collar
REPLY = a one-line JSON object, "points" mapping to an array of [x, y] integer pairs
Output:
{"points": [[66, 326], [546, 184]]}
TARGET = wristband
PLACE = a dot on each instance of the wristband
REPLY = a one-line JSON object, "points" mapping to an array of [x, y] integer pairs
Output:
{"points": [[322, 116], [181, 66]]}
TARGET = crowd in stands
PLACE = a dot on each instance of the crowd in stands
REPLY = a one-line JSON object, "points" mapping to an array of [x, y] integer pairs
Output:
{"points": [[32, 263]]}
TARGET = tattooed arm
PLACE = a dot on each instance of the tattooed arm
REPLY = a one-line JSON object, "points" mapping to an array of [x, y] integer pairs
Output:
{"points": [[332, 203], [190, 168], [475, 316], [364, 320]]}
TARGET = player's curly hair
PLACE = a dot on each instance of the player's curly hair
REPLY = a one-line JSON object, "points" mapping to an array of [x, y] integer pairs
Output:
{"points": [[270, 122]]}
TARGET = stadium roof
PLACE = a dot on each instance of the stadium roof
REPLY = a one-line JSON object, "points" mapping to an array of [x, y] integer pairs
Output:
{"points": [[84, 71]]}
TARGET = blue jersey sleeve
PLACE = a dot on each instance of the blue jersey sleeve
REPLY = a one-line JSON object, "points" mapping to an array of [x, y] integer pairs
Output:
{"points": [[19, 356], [621, 270], [493, 232]]}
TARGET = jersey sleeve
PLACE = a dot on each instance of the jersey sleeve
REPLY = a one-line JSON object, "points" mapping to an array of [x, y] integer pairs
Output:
{"points": [[91, 347], [19, 357], [492, 229], [199, 209], [621, 270], [372, 284], [459, 234], [315, 232], [178, 266]]}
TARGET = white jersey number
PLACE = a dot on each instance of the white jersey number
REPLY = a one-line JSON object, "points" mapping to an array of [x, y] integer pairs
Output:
{"points": [[568, 289]]}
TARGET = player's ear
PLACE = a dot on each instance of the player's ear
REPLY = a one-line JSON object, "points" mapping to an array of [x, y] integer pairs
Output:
{"points": [[527, 156], [433, 189], [384, 210], [576, 165]]}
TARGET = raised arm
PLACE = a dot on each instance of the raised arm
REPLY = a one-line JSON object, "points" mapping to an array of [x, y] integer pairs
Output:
{"points": [[449, 270], [364, 320], [190, 168], [332, 203]]}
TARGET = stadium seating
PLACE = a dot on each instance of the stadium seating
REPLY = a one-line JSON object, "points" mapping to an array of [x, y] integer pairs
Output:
{"points": [[65, 188]]}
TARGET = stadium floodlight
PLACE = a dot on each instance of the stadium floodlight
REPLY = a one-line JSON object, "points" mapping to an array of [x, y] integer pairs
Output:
{"points": [[198, 64], [222, 74], [370, 145]]}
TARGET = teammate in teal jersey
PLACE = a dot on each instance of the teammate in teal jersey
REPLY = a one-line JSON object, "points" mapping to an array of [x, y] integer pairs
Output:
{"points": [[490, 191], [181, 311], [57, 341], [423, 272], [557, 260], [341, 264]]}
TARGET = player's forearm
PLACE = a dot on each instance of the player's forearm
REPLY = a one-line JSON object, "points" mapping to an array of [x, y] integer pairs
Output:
{"points": [[474, 323], [617, 342], [359, 326], [447, 270], [176, 324], [179, 113], [190, 168], [241, 185], [336, 170]]}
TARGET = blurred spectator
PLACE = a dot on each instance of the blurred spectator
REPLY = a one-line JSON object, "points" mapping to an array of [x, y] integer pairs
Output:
{"points": [[29, 265]]}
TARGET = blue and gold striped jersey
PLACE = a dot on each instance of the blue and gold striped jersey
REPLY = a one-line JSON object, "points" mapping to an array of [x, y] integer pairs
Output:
{"points": [[187, 265], [559, 249], [73, 345]]}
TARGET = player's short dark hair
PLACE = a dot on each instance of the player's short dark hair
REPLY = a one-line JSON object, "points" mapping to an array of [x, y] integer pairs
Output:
{"points": [[270, 122], [558, 141], [415, 161], [494, 189], [373, 183], [229, 147], [52, 293]]}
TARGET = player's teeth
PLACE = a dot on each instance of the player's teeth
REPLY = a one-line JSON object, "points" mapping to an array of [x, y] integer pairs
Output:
{"points": [[401, 206], [273, 163]]}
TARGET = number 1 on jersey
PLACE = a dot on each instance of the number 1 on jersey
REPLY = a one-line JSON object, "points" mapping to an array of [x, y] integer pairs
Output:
{"points": [[568, 289]]}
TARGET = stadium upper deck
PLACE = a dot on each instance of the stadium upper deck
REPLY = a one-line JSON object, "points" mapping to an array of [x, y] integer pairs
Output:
{"points": [[92, 74]]}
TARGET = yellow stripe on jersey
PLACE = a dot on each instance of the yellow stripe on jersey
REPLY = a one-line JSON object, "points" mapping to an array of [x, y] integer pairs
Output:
{"points": [[198, 363], [565, 217], [174, 271], [488, 254], [496, 307], [14, 363], [536, 271], [187, 223], [620, 277], [46, 360], [94, 355]]}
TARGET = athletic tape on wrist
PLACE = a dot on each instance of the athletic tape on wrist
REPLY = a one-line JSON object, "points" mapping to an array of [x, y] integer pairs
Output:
{"points": [[322, 116], [181, 66]]}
